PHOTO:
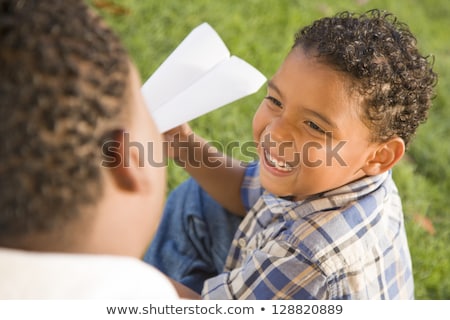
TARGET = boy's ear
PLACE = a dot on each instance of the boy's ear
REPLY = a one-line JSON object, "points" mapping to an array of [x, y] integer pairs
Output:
{"points": [[385, 156], [123, 161]]}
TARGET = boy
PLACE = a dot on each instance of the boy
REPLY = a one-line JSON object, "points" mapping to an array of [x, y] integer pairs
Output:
{"points": [[322, 218], [74, 222]]}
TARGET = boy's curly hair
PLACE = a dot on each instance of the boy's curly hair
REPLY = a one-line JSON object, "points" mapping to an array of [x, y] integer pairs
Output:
{"points": [[380, 55], [63, 86]]}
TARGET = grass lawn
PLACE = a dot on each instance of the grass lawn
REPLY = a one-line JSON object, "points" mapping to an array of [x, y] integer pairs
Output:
{"points": [[261, 32]]}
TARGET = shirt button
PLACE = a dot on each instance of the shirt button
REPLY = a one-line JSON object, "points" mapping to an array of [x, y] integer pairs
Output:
{"points": [[242, 242]]}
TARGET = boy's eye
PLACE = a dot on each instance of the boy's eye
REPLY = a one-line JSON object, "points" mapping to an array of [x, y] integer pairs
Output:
{"points": [[314, 126], [274, 101]]}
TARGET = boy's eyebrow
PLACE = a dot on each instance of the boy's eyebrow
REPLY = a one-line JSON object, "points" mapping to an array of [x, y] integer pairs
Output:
{"points": [[325, 119], [322, 117], [273, 86]]}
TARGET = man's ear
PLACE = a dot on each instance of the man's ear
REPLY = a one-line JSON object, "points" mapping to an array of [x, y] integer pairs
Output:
{"points": [[386, 155], [123, 161]]}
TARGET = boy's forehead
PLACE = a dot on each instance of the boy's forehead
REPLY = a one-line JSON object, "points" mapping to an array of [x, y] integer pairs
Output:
{"points": [[304, 81], [300, 69]]}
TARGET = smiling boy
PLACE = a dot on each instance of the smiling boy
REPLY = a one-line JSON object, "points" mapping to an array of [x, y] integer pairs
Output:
{"points": [[308, 115], [322, 217]]}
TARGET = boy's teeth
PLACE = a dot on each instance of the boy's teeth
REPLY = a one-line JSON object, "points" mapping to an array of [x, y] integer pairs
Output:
{"points": [[278, 163]]}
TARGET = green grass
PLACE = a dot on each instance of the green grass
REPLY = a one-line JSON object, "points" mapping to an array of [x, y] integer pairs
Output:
{"points": [[261, 32]]}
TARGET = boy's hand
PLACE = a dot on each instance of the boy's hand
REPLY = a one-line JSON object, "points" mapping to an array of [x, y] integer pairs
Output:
{"points": [[177, 141], [221, 176], [183, 131]]}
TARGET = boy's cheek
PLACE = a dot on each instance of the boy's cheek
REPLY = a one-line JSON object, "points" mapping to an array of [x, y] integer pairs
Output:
{"points": [[312, 156], [260, 121]]}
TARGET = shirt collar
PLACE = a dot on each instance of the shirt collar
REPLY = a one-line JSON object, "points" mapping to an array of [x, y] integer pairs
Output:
{"points": [[329, 200]]}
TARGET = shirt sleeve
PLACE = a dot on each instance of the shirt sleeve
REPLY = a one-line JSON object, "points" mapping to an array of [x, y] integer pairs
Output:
{"points": [[264, 276], [251, 188]]}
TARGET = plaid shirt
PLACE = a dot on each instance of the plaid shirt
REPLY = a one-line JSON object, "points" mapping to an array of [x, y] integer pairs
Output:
{"points": [[348, 243]]}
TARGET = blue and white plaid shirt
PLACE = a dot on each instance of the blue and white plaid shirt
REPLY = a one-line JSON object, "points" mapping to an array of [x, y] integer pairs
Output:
{"points": [[348, 243]]}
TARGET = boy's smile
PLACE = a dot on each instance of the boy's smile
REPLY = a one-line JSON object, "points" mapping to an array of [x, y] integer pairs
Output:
{"points": [[309, 132]]}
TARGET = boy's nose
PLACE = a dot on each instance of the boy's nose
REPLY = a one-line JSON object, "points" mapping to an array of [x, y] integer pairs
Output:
{"points": [[281, 129]]}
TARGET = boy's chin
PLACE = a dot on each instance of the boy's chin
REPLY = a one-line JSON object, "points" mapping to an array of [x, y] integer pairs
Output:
{"points": [[277, 192]]}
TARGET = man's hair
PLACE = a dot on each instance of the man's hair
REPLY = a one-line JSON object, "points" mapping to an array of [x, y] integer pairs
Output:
{"points": [[380, 55], [63, 86]]}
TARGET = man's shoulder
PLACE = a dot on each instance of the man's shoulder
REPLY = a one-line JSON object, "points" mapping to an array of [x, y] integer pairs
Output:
{"points": [[77, 276]]}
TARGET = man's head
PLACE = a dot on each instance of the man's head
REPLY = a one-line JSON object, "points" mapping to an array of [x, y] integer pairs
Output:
{"points": [[66, 87]]}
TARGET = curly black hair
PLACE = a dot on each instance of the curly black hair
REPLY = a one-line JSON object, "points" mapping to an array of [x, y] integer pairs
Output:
{"points": [[380, 55], [63, 86]]}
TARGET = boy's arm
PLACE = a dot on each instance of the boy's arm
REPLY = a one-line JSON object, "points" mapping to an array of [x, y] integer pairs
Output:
{"points": [[219, 175]]}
